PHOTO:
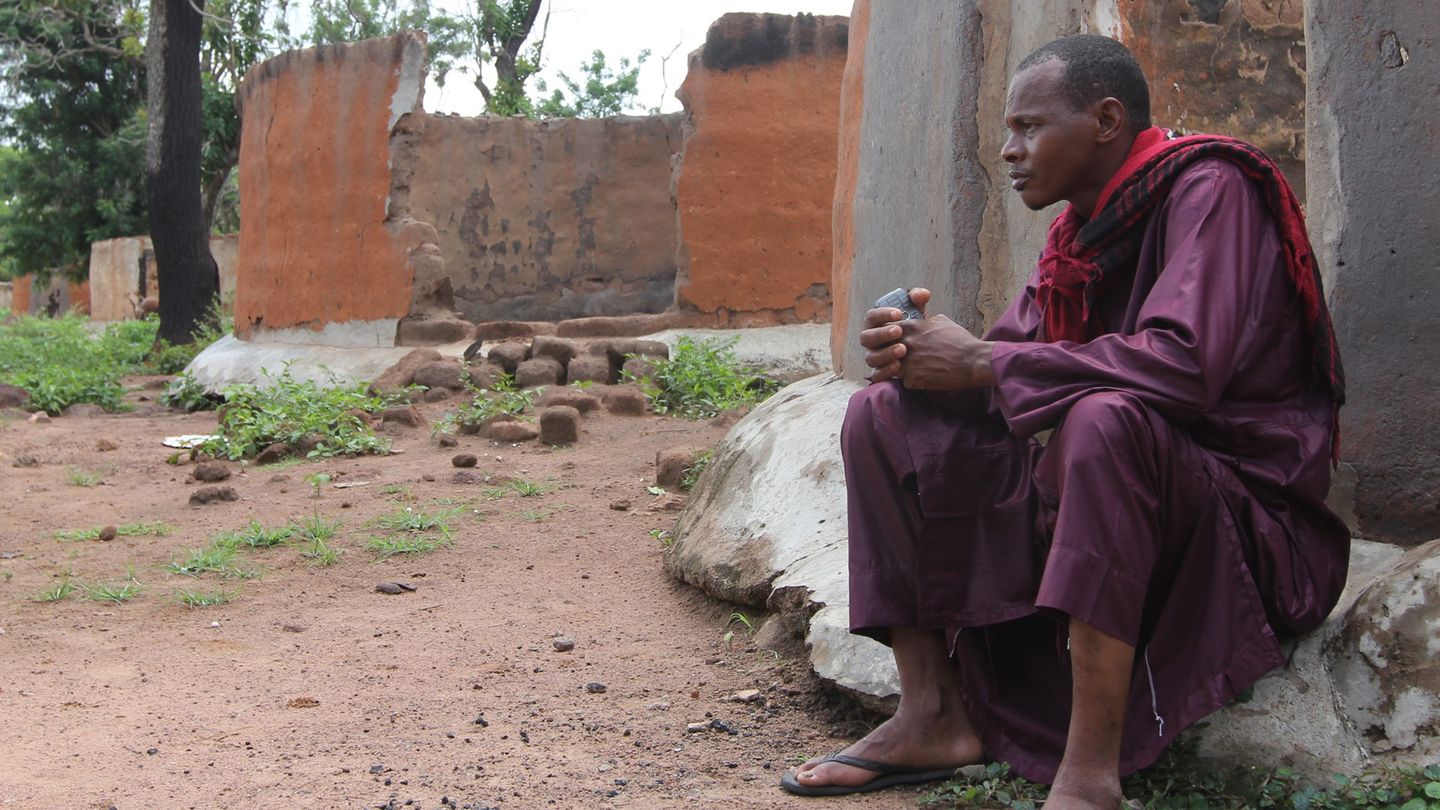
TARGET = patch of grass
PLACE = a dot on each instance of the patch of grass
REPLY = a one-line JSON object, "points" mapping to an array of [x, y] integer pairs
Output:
{"points": [[204, 598], [395, 489], [289, 410], [110, 592], [220, 558], [664, 538], [1181, 780], [530, 489], [536, 515], [698, 463], [61, 363], [495, 493], [316, 528], [387, 547], [83, 478], [256, 535], [416, 520], [187, 394], [318, 552], [701, 380], [741, 619], [157, 528], [58, 591]]}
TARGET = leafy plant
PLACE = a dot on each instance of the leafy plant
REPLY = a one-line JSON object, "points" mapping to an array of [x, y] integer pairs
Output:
{"points": [[664, 537], [318, 552], [415, 521], [503, 397], [219, 557], [187, 394], [700, 380], [289, 411], [316, 528], [530, 489], [60, 363], [204, 598], [698, 464], [737, 618]]}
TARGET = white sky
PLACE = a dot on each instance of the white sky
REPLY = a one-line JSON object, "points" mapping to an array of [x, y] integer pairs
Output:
{"points": [[622, 28]]}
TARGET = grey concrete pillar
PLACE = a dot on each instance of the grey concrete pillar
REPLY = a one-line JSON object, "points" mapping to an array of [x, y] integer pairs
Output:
{"points": [[1373, 177]]}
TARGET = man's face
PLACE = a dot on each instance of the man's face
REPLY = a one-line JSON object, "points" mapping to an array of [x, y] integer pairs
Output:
{"points": [[1052, 148]]}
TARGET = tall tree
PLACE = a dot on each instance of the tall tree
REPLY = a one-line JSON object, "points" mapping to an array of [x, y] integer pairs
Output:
{"points": [[181, 238]]}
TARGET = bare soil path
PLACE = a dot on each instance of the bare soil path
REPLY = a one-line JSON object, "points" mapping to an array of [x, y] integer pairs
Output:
{"points": [[310, 689]]}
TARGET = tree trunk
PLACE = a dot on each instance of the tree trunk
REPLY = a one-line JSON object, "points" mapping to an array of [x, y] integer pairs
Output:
{"points": [[187, 275]]}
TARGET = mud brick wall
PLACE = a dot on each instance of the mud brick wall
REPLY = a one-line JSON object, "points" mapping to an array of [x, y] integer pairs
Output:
{"points": [[318, 245], [554, 219], [123, 274], [756, 181], [55, 297]]}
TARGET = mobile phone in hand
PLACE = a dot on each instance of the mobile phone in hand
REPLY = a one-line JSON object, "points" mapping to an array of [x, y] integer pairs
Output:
{"points": [[899, 298]]}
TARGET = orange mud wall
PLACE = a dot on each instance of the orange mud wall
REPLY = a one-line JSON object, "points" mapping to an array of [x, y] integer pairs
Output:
{"points": [[318, 246], [756, 183]]}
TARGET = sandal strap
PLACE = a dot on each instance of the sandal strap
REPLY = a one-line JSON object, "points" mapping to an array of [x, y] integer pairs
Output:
{"points": [[881, 768]]}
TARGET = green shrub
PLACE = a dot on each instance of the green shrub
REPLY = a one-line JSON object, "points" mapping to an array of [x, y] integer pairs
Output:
{"points": [[289, 410], [502, 397], [700, 380]]}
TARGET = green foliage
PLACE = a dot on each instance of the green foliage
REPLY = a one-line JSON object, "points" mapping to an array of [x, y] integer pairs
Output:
{"points": [[83, 478], [504, 397], [57, 592], [414, 520], [1181, 781], [256, 535], [60, 363], [187, 394], [118, 593], [220, 557], [289, 410], [386, 547], [318, 552], [598, 93], [700, 380], [529, 489], [698, 464], [204, 598]]}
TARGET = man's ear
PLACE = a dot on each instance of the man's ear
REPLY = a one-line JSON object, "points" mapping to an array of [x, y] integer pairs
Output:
{"points": [[1109, 120]]}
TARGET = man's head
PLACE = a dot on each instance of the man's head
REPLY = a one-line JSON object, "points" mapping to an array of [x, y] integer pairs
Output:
{"points": [[1074, 108]]}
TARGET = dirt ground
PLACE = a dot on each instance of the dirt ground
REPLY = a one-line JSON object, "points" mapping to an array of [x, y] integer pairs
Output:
{"points": [[312, 689]]}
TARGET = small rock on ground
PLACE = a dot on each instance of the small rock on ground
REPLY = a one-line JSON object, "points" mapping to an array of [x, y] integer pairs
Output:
{"points": [[448, 441], [206, 495], [559, 424], [105, 444], [671, 464], [109, 533], [464, 460], [595, 688], [511, 432], [210, 471], [275, 452], [407, 415], [562, 643], [393, 588], [625, 401]]}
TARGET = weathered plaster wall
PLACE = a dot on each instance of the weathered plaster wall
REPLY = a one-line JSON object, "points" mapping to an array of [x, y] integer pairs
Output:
{"points": [[317, 246], [756, 181], [7, 296], [1374, 176], [56, 297], [546, 220], [123, 273], [852, 108]]}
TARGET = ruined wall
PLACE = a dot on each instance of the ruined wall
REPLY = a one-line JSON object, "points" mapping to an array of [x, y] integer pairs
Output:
{"points": [[546, 220], [755, 184], [7, 296], [58, 296], [123, 274], [1229, 66], [318, 246], [1374, 176]]}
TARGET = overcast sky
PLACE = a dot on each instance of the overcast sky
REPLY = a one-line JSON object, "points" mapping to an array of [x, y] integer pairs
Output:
{"points": [[623, 28]]}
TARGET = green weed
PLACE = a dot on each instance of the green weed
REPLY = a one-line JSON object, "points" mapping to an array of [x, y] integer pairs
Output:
{"points": [[395, 489], [495, 493], [536, 515], [108, 592], [664, 538], [58, 591], [187, 394], [387, 547], [318, 552], [530, 489], [61, 363], [415, 520], [698, 463], [204, 598], [501, 398], [221, 557], [316, 528], [257, 536], [83, 478], [157, 528], [289, 410], [700, 380]]}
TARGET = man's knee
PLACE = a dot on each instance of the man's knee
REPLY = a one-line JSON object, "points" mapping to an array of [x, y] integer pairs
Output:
{"points": [[1104, 425], [867, 406]]}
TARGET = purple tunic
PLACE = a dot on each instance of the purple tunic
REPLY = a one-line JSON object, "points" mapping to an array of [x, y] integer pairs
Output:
{"points": [[1178, 505]]}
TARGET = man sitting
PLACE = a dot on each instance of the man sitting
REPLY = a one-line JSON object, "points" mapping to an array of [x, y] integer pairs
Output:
{"points": [[1069, 606]]}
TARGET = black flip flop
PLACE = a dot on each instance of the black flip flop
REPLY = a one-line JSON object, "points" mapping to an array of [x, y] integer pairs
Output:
{"points": [[886, 776]]}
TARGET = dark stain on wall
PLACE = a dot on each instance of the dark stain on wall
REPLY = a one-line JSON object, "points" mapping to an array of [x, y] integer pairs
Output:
{"points": [[739, 40]]}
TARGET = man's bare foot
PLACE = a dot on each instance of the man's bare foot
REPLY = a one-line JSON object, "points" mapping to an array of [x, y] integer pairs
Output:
{"points": [[936, 741], [1077, 789]]}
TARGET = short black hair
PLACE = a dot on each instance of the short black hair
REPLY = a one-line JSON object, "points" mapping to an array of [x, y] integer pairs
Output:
{"points": [[1097, 67]]}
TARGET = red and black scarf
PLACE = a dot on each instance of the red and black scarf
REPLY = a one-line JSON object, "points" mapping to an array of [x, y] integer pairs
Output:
{"points": [[1082, 260]]}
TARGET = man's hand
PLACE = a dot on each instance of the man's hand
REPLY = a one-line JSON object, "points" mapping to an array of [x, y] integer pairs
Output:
{"points": [[935, 353]]}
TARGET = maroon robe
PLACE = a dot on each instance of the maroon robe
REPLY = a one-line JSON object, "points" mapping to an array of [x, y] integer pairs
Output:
{"points": [[1178, 505]]}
